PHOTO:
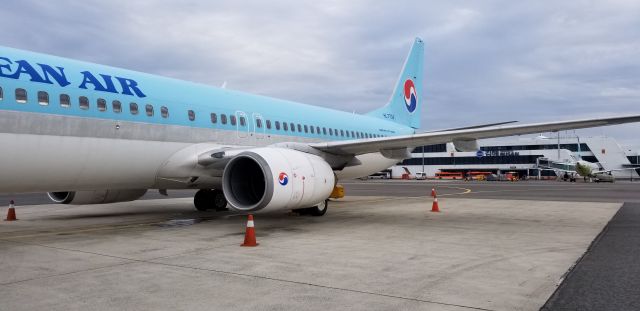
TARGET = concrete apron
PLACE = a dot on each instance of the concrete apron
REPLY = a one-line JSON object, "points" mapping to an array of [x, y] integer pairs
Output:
{"points": [[367, 253]]}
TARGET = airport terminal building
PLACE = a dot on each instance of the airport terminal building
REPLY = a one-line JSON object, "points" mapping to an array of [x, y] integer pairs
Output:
{"points": [[522, 156]]}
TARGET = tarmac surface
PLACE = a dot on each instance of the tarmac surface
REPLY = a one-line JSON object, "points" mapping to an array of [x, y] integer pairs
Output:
{"points": [[490, 248], [621, 191]]}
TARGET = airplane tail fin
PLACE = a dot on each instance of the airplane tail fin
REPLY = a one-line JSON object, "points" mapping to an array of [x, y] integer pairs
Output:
{"points": [[405, 105]]}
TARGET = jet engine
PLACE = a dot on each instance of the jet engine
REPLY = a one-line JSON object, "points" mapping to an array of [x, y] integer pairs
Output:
{"points": [[276, 178], [95, 197]]}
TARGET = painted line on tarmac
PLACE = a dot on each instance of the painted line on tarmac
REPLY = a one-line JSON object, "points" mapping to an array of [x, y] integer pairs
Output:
{"points": [[466, 191], [520, 190]]}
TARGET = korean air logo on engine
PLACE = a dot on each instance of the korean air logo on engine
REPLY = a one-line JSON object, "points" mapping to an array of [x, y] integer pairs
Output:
{"points": [[410, 96], [283, 179]]}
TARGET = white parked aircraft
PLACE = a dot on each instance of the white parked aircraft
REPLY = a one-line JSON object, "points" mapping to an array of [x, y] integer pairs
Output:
{"points": [[90, 134]]}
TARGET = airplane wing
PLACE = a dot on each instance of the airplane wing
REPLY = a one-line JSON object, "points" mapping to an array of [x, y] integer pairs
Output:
{"points": [[614, 170], [362, 146], [473, 126]]}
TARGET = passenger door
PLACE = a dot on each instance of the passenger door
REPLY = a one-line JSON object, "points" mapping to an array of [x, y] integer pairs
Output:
{"points": [[259, 127], [242, 128]]}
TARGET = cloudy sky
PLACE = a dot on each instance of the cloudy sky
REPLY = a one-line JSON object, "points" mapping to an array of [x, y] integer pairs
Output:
{"points": [[485, 61]]}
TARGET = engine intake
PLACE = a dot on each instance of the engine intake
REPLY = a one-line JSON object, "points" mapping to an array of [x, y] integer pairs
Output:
{"points": [[95, 197], [276, 178]]}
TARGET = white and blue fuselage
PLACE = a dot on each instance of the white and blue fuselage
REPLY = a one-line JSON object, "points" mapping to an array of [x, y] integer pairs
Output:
{"points": [[73, 125]]}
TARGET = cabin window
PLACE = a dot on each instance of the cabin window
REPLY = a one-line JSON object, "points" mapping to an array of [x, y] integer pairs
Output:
{"points": [[306, 129], [149, 110], [313, 130], [243, 122], [342, 133], [102, 104], [331, 132], [259, 123], [293, 127], [223, 118], [65, 100], [233, 119], [318, 130], [324, 131], [277, 125], [43, 98], [268, 122], [299, 128], [164, 112], [353, 134], [192, 115], [84, 102], [133, 107], [285, 126], [1, 93], [214, 118], [116, 105], [21, 96]]}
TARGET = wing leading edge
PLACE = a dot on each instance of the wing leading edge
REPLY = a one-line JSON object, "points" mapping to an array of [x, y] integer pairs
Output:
{"points": [[362, 146]]}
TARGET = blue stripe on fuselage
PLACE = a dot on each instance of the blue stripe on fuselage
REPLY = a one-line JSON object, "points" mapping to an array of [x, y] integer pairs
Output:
{"points": [[37, 72]]}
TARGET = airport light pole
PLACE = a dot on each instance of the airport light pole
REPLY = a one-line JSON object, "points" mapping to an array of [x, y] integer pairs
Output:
{"points": [[558, 146], [423, 160]]}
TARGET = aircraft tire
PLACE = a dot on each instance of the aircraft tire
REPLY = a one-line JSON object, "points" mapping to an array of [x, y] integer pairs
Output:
{"points": [[219, 201], [320, 209], [202, 200]]}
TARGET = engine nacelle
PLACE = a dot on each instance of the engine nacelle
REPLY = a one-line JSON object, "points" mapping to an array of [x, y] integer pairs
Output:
{"points": [[95, 197], [276, 178]]}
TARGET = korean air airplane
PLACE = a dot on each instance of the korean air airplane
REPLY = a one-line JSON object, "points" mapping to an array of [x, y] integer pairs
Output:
{"points": [[91, 134]]}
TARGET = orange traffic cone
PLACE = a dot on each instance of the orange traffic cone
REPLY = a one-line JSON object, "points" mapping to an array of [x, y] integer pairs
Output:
{"points": [[11, 214], [433, 192], [434, 207], [250, 235]]}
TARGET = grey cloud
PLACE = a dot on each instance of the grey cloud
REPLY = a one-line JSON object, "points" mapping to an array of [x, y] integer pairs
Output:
{"points": [[485, 61]]}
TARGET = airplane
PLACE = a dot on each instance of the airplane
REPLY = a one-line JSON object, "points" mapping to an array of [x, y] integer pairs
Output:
{"points": [[92, 134], [568, 170]]}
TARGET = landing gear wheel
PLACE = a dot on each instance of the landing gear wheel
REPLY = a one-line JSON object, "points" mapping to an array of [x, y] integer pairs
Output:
{"points": [[202, 199], [219, 201], [320, 209]]}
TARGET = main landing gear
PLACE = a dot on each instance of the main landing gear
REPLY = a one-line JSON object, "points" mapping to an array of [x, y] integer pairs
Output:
{"points": [[206, 199], [318, 210]]}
